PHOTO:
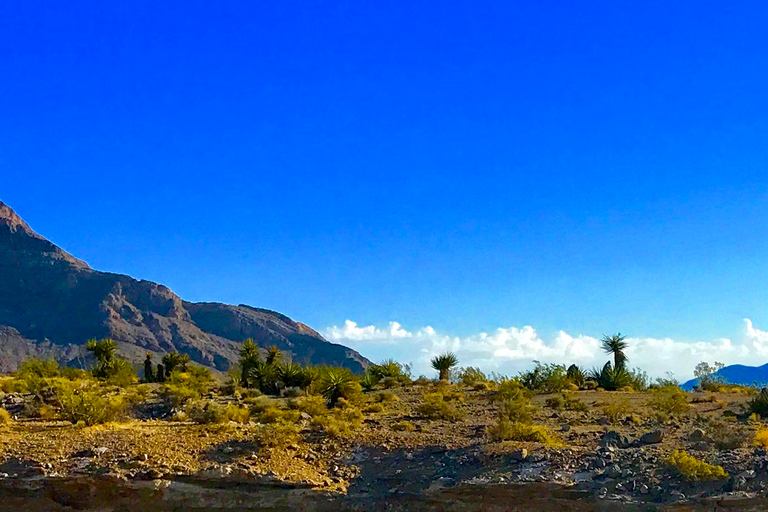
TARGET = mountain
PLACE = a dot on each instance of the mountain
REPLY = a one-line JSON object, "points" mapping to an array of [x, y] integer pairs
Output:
{"points": [[51, 303], [738, 374]]}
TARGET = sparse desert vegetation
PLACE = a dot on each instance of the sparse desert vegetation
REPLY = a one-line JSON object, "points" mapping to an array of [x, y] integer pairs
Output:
{"points": [[319, 425]]}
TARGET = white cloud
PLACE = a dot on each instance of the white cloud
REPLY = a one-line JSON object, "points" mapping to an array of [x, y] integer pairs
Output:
{"points": [[509, 350]]}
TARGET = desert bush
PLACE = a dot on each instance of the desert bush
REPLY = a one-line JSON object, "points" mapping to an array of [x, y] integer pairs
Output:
{"points": [[374, 408], [638, 380], [177, 396], [759, 404], [207, 411], [390, 371], [471, 376], [728, 435], [514, 402], [387, 396], [761, 438], [404, 426], [618, 409], [277, 435], [434, 406], [291, 392], [693, 469], [5, 417], [195, 378], [422, 381], [313, 405], [669, 400], [340, 422], [506, 430], [87, 403], [259, 403], [12, 385], [574, 404], [590, 385], [545, 378], [108, 366], [275, 415], [554, 402]]}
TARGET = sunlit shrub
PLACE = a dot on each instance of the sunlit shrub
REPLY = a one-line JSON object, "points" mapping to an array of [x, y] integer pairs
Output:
{"points": [[404, 426], [82, 402], [761, 438], [669, 400], [545, 378], [506, 430], [5, 417], [617, 410], [313, 405], [277, 435], [434, 406], [472, 376], [693, 469], [340, 422], [206, 411]]}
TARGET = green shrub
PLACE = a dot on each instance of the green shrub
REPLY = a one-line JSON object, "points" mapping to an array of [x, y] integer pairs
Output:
{"points": [[109, 367], [545, 378], [506, 430], [610, 378], [574, 404], [404, 426], [759, 404], [206, 412], [374, 408], [86, 403], [391, 371], [341, 422], [387, 396], [275, 415], [470, 376], [434, 406], [277, 435], [313, 405], [368, 381], [693, 469], [5, 417], [554, 402], [617, 410], [669, 400], [177, 395]]}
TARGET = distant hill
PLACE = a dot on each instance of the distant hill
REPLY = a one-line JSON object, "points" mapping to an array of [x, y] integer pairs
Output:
{"points": [[738, 374], [51, 303]]}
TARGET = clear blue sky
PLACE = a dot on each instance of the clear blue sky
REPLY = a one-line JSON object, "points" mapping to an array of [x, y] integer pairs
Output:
{"points": [[587, 166]]}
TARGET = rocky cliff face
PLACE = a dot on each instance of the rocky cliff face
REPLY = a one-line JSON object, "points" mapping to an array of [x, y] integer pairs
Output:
{"points": [[51, 303]]}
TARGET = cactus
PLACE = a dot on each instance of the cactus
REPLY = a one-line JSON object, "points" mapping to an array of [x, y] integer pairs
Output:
{"points": [[148, 374]]}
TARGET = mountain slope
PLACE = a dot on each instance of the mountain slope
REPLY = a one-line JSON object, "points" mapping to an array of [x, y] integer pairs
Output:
{"points": [[52, 302], [738, 374]]}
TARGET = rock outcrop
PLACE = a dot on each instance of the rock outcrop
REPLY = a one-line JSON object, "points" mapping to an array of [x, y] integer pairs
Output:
{"points": [[51, 303]]}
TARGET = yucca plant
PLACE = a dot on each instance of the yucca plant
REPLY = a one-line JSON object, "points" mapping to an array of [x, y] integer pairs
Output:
{"points": [[576, 375], [294, 376], [368, 381], [175, 361], [249, 358], [444, 363], [616, 345], [610, 378], [265, 377], [336, 384], [274, 356]]}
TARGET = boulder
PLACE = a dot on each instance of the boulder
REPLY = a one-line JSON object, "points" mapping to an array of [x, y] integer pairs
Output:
{"points": [[653, 437]]}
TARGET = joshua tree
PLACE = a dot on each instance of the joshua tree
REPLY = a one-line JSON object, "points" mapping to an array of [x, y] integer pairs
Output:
{"points": [[616, 345], [274, 356], [103, 351], [148, 374], [443, 364], [175, 361], [249, 358]]}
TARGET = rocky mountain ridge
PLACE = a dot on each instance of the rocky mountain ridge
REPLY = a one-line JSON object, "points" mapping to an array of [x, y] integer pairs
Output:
{"points": [[51, 303]]}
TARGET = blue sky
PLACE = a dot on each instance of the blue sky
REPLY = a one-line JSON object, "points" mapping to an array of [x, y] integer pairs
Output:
{"points": [[579, 168]]}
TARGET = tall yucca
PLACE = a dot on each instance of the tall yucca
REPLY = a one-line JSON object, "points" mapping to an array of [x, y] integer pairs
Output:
{"points": [[616, 345], [443, 364]]}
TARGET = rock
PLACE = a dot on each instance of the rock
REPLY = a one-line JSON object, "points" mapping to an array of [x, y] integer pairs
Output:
{"points": [[702, 446], [747, 475], [227, 449], [565, 428], [612, 471], [653, 437], [519, 455], [697, 435], [536, 457], [305, 416], [441, 483], [613, 438]]}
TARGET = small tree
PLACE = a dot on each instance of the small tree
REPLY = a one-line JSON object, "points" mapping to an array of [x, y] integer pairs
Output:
{"points": [[709, 380], [444, 363]]}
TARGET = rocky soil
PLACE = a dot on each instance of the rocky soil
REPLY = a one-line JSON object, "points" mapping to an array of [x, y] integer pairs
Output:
{"points": [[440, 465]]}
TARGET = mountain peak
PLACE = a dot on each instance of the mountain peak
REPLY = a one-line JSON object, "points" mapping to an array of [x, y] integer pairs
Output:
{"points": [[23, 240]]}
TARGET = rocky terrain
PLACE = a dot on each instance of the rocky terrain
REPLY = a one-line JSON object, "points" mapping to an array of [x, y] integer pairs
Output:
{"points": [[612, 453], [52, 303]]}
